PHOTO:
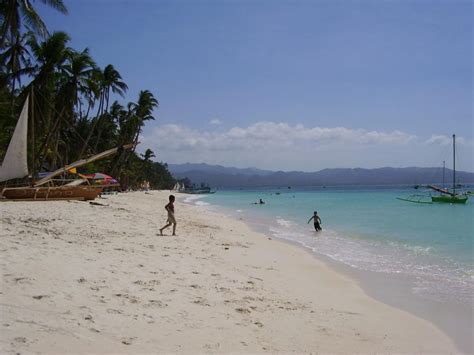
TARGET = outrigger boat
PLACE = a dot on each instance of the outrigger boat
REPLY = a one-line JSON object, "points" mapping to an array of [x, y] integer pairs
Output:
{"points": [[15, 166], [445, 195]]}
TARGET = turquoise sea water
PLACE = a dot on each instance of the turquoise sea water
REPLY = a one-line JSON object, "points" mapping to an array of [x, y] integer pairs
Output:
{"points": [[369, 229]]}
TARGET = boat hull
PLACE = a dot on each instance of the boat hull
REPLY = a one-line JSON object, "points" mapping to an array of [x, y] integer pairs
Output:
{"points": [[450, 199], [52, 193]]}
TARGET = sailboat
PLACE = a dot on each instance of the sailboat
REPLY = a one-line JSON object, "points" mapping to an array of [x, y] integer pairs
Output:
{"points": [[15, 166], [447, 196]]}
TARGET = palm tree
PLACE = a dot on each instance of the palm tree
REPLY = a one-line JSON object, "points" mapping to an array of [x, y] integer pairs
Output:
{"points": [[15, 60], [112, 81], [131, 127], [50, 57], [149, 154], [143, 111], [104, 81], [74, 79], [13, 12]]}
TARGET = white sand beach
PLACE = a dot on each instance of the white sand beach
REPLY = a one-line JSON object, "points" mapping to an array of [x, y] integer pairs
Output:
{"points": [[82, 278]]}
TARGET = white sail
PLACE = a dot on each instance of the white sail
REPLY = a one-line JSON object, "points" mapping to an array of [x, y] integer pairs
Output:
{"points": [[15, 163]]}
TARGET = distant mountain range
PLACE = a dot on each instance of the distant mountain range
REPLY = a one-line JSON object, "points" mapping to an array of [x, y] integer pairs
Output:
{"points": [[220, 176]]}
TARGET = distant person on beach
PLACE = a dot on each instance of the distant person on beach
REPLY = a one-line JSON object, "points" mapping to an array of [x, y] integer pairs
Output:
{"points": [[171, 220], [317, 221], [261, 202]]}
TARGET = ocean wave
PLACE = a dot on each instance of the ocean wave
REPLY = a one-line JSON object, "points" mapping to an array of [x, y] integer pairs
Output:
{"points": [[447, 279], [283, 222], [192, 198]]}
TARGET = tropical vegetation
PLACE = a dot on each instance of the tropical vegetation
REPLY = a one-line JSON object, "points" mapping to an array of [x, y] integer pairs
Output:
{"points": [[75, 114]]}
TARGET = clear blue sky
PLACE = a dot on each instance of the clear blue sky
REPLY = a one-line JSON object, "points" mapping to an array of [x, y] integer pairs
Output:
{"points": [[378, 66]]}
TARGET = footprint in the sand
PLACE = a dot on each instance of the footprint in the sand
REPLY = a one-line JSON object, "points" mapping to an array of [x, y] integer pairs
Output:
{"points": [[201, 301], [128, 340], [156, 303], [22, 280], [38, 297], [114, 311], [147, 283], [212, 346], [242, 310], [22, 340], [131, 299]]}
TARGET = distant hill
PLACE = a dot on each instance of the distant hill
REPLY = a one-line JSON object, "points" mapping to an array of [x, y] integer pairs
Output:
{"points": [[220, 176], [181, 168]]}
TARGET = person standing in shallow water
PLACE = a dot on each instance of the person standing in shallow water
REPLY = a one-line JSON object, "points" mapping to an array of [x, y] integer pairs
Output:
{"points": [[171, 219], [317, 221]]}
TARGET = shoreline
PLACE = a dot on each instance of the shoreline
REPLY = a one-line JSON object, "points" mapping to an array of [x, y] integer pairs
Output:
{"points": [[99, 279], [370, 282], [454, 320]]}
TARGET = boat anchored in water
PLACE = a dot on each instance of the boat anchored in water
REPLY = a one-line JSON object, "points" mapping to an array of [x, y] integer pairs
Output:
{"points": [[445, 195]]}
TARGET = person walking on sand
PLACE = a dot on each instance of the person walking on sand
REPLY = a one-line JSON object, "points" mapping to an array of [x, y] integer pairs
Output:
{"points": [[317, 221], [171, 220]]}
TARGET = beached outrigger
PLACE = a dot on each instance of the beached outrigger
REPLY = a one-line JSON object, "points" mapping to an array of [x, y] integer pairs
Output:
{"points": [[15, 166]]}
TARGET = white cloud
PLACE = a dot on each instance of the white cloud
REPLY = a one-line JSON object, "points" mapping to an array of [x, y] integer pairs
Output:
{"points": [[445, 140], [279, 145], [215, 122]]}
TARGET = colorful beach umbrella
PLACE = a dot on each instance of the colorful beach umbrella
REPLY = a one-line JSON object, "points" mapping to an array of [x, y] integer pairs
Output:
{"points": [[104, 178]]}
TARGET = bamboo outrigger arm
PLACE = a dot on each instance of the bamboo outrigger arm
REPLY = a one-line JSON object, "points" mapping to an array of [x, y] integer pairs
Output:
{"points": [[81, 163], [439, 189]]}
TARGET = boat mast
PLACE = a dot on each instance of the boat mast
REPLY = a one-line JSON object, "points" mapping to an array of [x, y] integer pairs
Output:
{"points": [[444, 167], [454, 164], [32, 109]]}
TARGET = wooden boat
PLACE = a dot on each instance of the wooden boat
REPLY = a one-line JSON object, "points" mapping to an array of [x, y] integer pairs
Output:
{"points": [[15, 166], [52, 193], [447, 196], [198, 190], [450, 198]]}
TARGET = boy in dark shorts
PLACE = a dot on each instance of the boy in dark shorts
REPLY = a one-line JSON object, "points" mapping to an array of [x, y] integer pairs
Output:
{"points": [[171, 220], [317, 222]]}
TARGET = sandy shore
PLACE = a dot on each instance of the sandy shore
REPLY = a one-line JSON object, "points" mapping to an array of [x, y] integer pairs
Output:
{"points": [[83, 278]]}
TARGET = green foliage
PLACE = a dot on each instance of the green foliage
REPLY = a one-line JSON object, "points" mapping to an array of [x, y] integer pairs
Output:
{"points": [[73, 117]]}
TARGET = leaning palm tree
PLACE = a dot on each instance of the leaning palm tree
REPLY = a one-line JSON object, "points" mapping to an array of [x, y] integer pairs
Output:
{"points": [[111, 80], [143, 111], [134, 119], [101, 84], [50, 56], [13, 12], [74, 79]]}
